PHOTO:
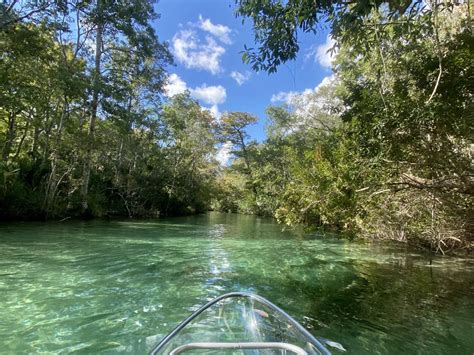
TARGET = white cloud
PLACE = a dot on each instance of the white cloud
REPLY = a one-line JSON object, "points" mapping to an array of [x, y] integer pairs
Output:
{"points": [[321, 53], [239, 77], [214, 109], [195, 53], [328, 80], [289, 97], [320, 99], [221, 32], [196, 50], [175, 85], [212, 95], [317, 108], [224, 153]]}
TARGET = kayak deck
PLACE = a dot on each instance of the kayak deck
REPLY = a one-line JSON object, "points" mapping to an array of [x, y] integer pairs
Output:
{"points": [[240, 323]]}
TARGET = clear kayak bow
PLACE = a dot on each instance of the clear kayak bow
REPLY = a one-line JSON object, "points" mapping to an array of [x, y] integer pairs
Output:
{"points": [[239, 323]]}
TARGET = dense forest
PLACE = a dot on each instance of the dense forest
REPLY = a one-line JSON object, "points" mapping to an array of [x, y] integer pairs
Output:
{"points": [[382, 149]]}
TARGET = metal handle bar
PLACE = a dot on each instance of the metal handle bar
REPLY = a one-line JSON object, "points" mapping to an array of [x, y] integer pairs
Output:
{"points": [[237, 346]]}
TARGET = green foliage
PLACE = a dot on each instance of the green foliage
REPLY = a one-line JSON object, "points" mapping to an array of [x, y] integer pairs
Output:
{"points": [[277, 23], [233, 126], [73, 117], [189, 145], [231, 193], [384, 149]]}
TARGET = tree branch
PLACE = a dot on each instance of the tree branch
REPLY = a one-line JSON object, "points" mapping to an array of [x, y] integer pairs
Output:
{"points": [[32, 12]]}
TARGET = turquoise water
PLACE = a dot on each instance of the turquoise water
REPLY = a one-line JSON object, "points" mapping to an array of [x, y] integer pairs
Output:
{"points": [[120, 286]]}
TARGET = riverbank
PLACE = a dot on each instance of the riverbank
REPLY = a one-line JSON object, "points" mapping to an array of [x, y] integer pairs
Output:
{"points": [[382, 238]]}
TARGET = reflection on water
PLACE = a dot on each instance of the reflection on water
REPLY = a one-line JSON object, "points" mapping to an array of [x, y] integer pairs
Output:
{"points": [[120, 286]]}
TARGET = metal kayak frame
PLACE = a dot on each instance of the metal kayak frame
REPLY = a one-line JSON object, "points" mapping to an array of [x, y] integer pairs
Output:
{"points": [[241, 345]]}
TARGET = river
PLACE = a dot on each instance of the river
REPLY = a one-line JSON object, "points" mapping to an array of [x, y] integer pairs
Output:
{"points": [[119, 286]]}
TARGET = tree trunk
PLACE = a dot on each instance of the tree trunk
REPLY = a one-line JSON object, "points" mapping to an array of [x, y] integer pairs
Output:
{"points": [[52, 185], [48, 127], [20, 145], [34, 144], [247, 163], [93, 112], [10, 137]]}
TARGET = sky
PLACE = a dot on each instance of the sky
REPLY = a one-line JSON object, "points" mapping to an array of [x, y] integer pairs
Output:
{"points": [[206, 40]]}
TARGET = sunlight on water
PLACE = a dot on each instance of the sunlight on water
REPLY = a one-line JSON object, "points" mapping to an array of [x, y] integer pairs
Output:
{"points": [[120, 286]]}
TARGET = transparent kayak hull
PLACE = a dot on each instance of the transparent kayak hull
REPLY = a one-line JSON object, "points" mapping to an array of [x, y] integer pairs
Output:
{"points": [[239, 323]]}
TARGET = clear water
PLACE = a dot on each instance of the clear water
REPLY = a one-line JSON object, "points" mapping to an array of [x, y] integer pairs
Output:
{"points": [[120, 286]]}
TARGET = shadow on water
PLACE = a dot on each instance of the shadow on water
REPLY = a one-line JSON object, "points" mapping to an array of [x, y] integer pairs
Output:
{"points": [[119, 286]]}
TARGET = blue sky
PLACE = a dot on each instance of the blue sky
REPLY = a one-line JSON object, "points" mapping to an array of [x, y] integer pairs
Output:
{"points": [[205, 38]]}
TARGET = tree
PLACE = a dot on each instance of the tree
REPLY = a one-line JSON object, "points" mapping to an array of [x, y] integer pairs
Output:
{"points": [[131, 23], [408, 109], [14, 12], [80, 123], [189, 147], [41, 86], [276, 23], [233, 126], [391, 157]]}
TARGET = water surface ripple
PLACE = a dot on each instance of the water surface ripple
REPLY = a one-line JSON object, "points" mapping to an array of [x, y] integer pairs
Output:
{"points": [[119, 286]]}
